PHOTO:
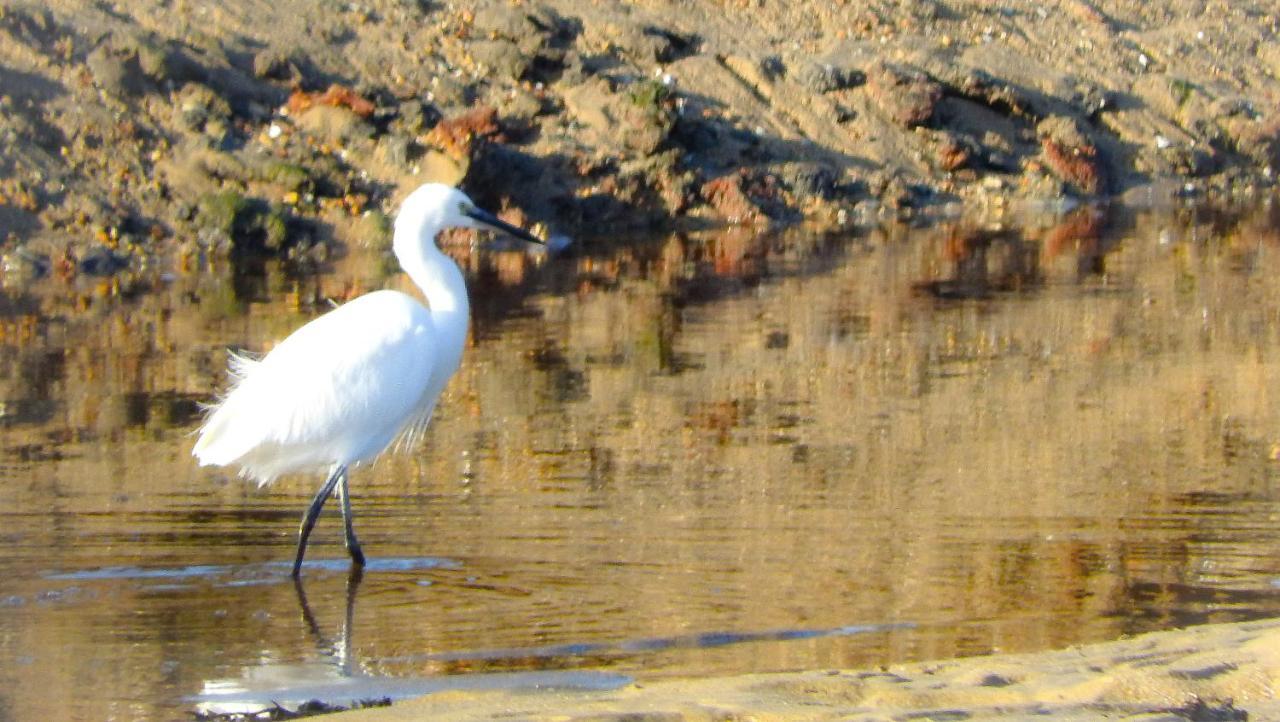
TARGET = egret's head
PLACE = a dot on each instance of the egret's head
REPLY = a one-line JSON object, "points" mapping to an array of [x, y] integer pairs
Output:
{"points": [[436, 206]]}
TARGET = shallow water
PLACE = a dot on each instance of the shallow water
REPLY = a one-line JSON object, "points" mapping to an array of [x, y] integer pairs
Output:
{"points": [[709, 455]]}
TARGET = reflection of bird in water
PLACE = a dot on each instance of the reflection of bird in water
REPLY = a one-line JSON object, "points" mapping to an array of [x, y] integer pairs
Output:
{"points": [[331, 681], [338, 391]]}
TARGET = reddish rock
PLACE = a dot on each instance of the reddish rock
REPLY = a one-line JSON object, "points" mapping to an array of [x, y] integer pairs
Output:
{"points": [[457, 136], [731, 198], [953, 154], [908, 96], [338, 96], [1071, 155]]}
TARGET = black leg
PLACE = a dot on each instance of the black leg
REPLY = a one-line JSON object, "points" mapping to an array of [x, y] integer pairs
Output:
{"points": [[353, 546], [313, 511], [348, 622]]}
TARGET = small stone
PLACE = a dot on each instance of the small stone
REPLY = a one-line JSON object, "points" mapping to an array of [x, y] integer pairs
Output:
{"points": [[198, 107], [500, 58], [334, 124], [907, 95], [394, 149], [447, 92], [117, 75], [501, 21]]}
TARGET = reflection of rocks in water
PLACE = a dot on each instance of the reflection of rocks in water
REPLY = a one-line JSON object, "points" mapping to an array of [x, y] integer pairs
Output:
{"points": [[984, 263], [29, 388], [1081, 232], [17, 412]]}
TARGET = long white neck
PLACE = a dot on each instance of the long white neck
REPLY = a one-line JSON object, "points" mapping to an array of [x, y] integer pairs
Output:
{"points": [[441, 282]]}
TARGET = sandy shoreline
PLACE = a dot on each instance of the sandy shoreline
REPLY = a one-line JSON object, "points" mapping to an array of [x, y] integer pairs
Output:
{"points": [[1210, 672]]}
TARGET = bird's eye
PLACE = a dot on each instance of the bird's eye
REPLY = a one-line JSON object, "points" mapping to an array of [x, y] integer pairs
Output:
{"points": [[464, 209]]}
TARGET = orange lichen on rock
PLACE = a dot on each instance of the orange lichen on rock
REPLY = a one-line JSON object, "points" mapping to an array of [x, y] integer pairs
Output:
{"points": [[338, 96], [456, 136], [1071, 154], [732, 200], [952, 155]]}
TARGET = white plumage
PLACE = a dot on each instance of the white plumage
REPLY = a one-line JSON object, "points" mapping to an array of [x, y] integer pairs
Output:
{"points": [[342, 388], [311, 402]]}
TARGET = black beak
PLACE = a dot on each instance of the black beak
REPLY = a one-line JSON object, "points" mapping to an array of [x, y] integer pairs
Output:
{"points": [[488, 219]]}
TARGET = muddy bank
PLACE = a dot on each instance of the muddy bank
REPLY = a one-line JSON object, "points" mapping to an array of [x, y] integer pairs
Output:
{"points": [[1214, 672], [131, 130]]}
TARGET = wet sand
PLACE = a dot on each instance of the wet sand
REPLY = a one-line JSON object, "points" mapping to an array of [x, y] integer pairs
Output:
{"points": [[1210, 672]]}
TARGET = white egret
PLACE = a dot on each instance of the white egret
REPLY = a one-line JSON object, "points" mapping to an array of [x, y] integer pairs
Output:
{"points": [[338, 391]]}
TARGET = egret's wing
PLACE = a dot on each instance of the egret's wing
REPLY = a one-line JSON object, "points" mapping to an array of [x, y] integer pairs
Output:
{"points": [[337, 390]]}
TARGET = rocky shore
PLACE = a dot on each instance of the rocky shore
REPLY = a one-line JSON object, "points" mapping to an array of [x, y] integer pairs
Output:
{"points": [[133, 131]]}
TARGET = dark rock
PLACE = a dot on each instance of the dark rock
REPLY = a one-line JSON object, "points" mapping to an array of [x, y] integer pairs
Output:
{"points": [[695, 135], [898, 193], [675, 45], [275, 64], [101, 261], [810, 180], [1090, 99], [826, 77], [772, 67], [993, 92], [520, 110], [415, 117]]}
